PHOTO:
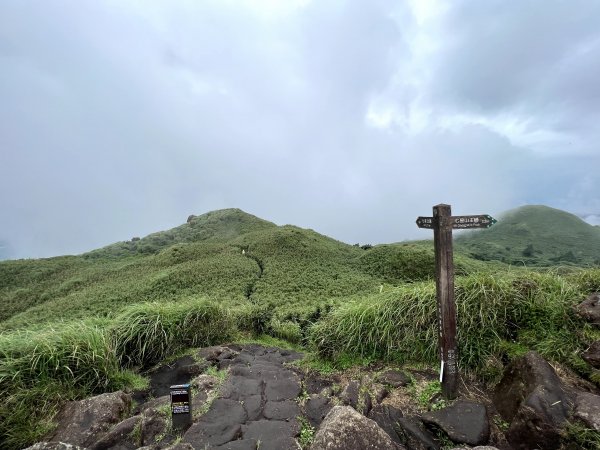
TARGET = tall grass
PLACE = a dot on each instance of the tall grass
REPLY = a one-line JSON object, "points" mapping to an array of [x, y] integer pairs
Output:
{"points": [[499, 315], [145, 333], [40, 369]]}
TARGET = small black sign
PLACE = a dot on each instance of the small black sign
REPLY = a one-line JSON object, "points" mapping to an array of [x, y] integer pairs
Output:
{"points": [[181, 405]]}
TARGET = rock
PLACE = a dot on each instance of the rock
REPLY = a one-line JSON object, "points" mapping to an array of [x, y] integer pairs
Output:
{"points": [[121, 436], [344, 429], [464, 422], [587, 409], [415, 436], [589, 309], [380, 392], [349, 395], [316, 409], [221, 424], [479, 447], [532, 398], [592, 355], [387, 418], [275, 434], [283, 388], [284, 410], [86, 421], [211, 353], [365, 404], [54, 446], [154, 424], [394, 378], [520, 379]]}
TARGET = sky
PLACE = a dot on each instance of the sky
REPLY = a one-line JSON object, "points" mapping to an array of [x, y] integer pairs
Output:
{"points": [[119, 118]]}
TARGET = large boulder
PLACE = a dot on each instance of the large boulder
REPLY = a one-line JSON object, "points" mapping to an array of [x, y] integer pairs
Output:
{"points": [[84, 422], [54, 446], [387, 417], [415, 436], [344, 428], [533, 399], [464, 422], [589, 309]]}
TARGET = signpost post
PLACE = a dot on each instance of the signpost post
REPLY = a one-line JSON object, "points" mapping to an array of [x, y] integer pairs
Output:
{"points": [[442, 224]]}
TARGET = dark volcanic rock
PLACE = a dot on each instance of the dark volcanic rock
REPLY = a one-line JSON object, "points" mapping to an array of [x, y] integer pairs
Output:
{"points": [[589, 309], [86, 421], [349, 395], [316, 408], [387, 418], [394, 378], [122, 436], [345, 429], [283, 388], [221, 424], [415, 436], [464, 422], [54, 446], [592, 355], [284, 410]]}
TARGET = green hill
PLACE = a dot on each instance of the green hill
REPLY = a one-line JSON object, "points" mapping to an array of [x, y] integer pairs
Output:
{"points": [[535, 236]]}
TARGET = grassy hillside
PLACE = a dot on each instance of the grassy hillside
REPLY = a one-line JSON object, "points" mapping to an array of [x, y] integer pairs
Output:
{"points": [[75, 325], [535, 236]]}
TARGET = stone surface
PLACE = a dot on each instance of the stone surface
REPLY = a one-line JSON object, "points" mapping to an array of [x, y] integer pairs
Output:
{"points": [[589, 309], [86, 421], [520, 379], [121, 437], [394, 378], [387, 418], [284, 410], [415, 436], [54, 446], [316, 409], [592, 355], [587, 409], [345, 429], [464, 422], [349, 395]]}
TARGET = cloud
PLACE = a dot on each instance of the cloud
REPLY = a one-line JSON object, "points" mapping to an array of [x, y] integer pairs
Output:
{"points": [[119, 119]]}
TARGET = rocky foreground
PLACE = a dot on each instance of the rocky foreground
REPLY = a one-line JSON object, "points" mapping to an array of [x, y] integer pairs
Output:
{"points": [[261, 399]]}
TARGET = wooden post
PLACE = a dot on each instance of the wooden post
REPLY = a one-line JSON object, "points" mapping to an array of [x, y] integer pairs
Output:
{"points": [[444, 271]]}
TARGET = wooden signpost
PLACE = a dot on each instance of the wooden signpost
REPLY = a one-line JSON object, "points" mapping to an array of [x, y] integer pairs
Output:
{"points": [[442, 223]]}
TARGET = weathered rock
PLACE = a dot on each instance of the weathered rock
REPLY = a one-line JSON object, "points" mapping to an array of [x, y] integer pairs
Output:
{"points": [[479, 447], [344, 429], [520, 379], [592, 355], [221, 424], [282, 389], [86, 421], [316, 409], [349, 395], [587, 409], [464, 422], [415, 436], [380, 392], [589, 309], [387, 418], [122, 436], [284, 410], [394, 378], [54, 446], [272, 433], [154, 424], [211, 353], [365, 404], [179, 446], [240, 444], [539, 420]]}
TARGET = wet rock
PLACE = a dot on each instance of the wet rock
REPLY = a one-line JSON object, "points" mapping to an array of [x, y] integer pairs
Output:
{"points": [[415, 436], [464, 422], [349, 395], [394, 378], [316, 408], [589, 309], [587, 409], [344, 429], [122, 436], [592, 355], [86, 421], [387, 418]]}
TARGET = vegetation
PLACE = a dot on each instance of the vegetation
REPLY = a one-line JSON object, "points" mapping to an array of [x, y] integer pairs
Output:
{"points": [[77, 325]]}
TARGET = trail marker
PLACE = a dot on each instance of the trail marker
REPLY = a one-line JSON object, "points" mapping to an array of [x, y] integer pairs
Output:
{"points": [[442, 223], [181, 405]]}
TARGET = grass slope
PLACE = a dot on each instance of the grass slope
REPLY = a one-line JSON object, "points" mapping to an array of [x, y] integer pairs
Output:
{"points": [[535, 236]]}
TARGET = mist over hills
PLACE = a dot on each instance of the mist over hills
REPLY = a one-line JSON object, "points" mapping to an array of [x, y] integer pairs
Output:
{"points": [[535, 235]]}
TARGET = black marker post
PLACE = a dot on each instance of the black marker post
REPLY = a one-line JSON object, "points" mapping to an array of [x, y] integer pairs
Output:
{"points": [[181, 406]]}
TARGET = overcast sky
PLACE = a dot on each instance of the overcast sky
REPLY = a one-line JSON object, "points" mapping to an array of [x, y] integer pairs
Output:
{"points": [[120, 118]]}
